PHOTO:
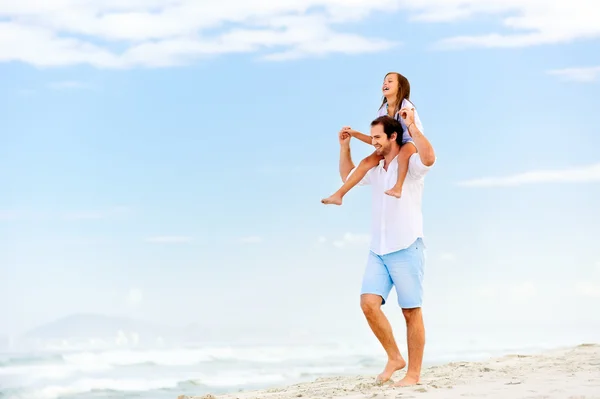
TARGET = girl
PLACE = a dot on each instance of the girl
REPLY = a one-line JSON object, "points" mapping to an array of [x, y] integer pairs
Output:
{"points": [[396, 93]]}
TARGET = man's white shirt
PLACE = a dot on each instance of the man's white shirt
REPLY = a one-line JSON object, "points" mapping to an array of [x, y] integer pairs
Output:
{"points": [[396, 222]]}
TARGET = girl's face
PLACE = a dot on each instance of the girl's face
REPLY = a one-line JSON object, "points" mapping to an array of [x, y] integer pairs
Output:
{"points": [[390, 86]]}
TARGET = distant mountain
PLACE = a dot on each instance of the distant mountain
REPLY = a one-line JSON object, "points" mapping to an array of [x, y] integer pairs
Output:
{"points": [[93, 326], [102, 331]]}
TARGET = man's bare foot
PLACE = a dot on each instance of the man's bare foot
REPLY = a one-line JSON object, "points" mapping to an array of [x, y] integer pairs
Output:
{"points": [[407, 381], [390, 368], [394, 192], [333, 200]]}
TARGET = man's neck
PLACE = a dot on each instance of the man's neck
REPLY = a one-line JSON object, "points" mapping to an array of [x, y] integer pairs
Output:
{"points": [[389, 157]]}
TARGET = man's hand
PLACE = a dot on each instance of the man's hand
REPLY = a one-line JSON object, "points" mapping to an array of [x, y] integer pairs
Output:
{"points": [[408, 116], [344, 136], [424, 147], [346, 164], [351, 131]]}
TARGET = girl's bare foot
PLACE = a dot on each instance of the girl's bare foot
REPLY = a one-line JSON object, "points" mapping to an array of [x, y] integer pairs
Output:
{"points": [[333, 200], [407, 381], [390, 368], [394, 192]]}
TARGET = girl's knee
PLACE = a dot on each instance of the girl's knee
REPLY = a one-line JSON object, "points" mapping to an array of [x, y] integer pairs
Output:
{"points": [[408, 149], [371, 160]]}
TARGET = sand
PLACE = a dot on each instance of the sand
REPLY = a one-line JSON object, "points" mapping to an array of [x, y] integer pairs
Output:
{"points": [[572, 373]]}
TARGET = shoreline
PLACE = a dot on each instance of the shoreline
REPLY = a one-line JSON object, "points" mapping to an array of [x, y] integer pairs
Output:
{"points": [[559, 373]]}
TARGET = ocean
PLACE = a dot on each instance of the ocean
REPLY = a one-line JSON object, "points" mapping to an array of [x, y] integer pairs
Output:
{"points": [[123, 373], [167, 373]]}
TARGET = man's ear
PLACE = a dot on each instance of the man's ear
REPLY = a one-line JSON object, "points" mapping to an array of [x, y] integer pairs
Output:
{"points": [[393, 136]]}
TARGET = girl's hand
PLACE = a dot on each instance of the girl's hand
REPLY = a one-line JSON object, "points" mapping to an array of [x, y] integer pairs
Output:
{"points": [[350, 131]]}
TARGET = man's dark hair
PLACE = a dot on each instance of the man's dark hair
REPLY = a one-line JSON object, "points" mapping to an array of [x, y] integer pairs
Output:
{"points": [[390, 126]]}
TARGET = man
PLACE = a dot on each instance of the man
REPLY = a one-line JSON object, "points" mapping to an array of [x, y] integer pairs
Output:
{"points": [[396, 255]]}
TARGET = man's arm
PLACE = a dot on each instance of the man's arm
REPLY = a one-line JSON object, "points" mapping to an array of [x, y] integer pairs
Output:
{"points": [[346, 164], [424, 147], [358, 135]]}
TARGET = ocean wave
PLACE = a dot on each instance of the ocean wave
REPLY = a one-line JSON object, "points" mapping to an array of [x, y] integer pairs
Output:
{"points": [[89, 385], [210, 366], [218, 380], [153, 373], [26, 359], [184, 356]]}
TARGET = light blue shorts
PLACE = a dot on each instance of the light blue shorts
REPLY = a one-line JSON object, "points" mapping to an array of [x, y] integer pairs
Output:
{"points": [[403, 269]]}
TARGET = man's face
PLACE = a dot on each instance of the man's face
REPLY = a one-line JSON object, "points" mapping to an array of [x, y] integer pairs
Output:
{"points": [[380, 141]]}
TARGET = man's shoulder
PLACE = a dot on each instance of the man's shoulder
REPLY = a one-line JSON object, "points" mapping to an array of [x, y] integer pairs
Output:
{"points": [[373, 172], [417, 170], [374, 169]]}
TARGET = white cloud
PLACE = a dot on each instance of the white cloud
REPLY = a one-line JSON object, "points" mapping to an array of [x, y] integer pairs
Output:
{"points": [[135, 298], [534, 22], [159, 33], [582, 75], [581, 174], [588, 289], [352, 239], [169, 239], [320, 243], [251, 240]]}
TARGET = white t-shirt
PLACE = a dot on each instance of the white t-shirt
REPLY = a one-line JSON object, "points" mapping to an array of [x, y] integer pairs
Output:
{"points": [[396, 222], [405, 104]]}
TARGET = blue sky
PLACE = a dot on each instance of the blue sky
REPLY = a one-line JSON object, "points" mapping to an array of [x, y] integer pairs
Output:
{"points": [[148, 171]]}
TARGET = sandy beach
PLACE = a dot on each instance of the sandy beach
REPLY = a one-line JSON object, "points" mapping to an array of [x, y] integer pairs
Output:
{"points": [[572, 373]]}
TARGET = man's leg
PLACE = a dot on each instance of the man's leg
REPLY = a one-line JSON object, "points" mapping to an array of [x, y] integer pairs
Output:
{"points": [[415, 337], [380, 325], [376, 286], [407, 272]]}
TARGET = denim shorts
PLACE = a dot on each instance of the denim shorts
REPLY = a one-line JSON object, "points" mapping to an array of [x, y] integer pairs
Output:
{"points": [[402, 269]]}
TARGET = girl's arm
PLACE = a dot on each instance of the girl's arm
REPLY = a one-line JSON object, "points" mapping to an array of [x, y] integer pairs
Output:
{"points": [[362, 137]]}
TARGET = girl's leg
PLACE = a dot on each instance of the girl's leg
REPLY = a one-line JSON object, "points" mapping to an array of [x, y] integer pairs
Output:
{"points": [[361, 170], [405, 152]]}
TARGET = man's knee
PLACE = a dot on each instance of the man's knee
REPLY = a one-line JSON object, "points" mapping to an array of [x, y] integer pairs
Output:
{"points": [[370, 303], [412, 314]]}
